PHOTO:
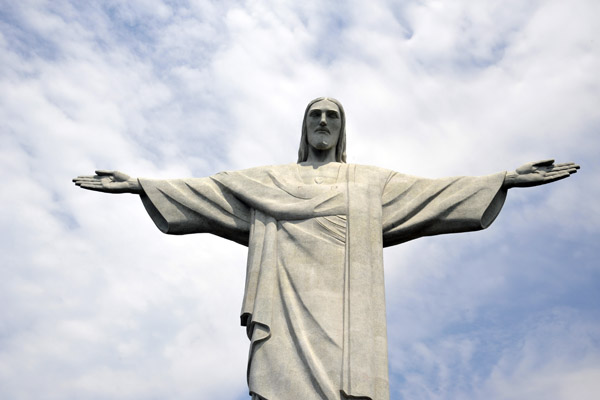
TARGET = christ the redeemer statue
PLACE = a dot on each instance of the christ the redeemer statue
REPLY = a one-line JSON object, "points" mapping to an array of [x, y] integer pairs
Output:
{"points": [[314, 306]]}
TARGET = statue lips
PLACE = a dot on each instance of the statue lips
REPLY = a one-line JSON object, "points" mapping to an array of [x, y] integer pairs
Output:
{"points": [[323, 130]]}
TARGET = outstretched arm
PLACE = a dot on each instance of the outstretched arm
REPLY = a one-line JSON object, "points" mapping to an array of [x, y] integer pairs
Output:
{"points": [[539, 173], [109, 182]]}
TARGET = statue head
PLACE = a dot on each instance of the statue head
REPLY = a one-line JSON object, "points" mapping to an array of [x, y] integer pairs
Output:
{"points": [[340, 149]]}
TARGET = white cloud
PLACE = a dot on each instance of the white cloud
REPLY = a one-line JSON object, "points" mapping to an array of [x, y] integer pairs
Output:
{"points": [[551, 360], [97, 303]]}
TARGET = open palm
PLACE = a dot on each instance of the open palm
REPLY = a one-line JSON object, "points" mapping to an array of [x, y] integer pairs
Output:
{"points": [[539, 173], [108, 182]]}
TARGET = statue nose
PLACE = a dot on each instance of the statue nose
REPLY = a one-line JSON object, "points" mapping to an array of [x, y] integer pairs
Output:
{"points": [[323, 121]]}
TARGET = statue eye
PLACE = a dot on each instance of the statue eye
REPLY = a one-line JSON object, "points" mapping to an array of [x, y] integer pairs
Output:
{"points": [[332, 114], [315, 113]]}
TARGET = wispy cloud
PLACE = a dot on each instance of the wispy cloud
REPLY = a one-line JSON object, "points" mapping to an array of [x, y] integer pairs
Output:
{"points": [[96, 303]]}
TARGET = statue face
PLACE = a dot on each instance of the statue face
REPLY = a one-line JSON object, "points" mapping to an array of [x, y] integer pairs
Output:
{"points": [[323, 124]]}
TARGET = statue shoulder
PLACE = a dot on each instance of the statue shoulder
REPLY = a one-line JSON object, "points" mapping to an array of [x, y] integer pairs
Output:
{"points": [[372, 173], [262, 173]]}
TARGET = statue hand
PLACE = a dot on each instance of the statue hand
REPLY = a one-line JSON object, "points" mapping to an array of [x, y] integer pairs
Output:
{"points": [[539, 173], [109, 182]]}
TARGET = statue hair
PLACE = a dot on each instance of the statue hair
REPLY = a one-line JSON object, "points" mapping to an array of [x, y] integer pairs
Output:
{"points": [[340, 148]]}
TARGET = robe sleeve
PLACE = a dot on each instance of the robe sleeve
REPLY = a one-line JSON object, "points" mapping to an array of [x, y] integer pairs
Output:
{"points": [[414, 207], [197, 205]]}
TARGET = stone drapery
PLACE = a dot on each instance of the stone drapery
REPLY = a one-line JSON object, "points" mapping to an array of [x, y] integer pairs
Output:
{"points": [[314, 304]]}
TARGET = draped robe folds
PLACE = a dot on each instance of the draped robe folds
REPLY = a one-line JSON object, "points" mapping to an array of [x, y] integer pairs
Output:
{"points": [[314, 305]]}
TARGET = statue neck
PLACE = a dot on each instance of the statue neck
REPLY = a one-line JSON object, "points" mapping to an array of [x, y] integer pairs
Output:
{"points": [[316, 156]]}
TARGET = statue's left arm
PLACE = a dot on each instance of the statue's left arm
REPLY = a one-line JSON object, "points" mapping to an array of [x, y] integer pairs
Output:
{"points": [[414, 207]]}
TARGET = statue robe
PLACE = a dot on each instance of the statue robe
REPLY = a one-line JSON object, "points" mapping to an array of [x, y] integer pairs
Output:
{"points": [[314, 304]]}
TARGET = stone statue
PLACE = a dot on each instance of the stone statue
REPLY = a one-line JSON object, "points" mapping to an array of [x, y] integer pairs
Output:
{"points": [[314, 307]]}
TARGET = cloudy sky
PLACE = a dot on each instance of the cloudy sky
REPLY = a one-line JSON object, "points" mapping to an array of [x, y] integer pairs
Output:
{"points": [[96, 303]]}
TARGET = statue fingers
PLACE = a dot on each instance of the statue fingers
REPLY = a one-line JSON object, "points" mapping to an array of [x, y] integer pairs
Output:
{"points": [[571, 170], [80, 181], [553, 177], [565, 167], [92, 186], [104, 172], [544, 163], [565, 164], [82, 177], [90, 181], [557, 172]]}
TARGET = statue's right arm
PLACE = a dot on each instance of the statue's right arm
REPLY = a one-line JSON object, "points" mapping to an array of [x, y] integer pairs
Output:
{"points": [[109, 182]]}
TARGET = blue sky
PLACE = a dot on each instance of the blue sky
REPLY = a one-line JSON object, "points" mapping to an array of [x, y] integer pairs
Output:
{"points": [[96, 303]]}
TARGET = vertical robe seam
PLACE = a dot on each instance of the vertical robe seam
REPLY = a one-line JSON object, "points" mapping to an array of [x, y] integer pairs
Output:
{"points": [[346, 377]]}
